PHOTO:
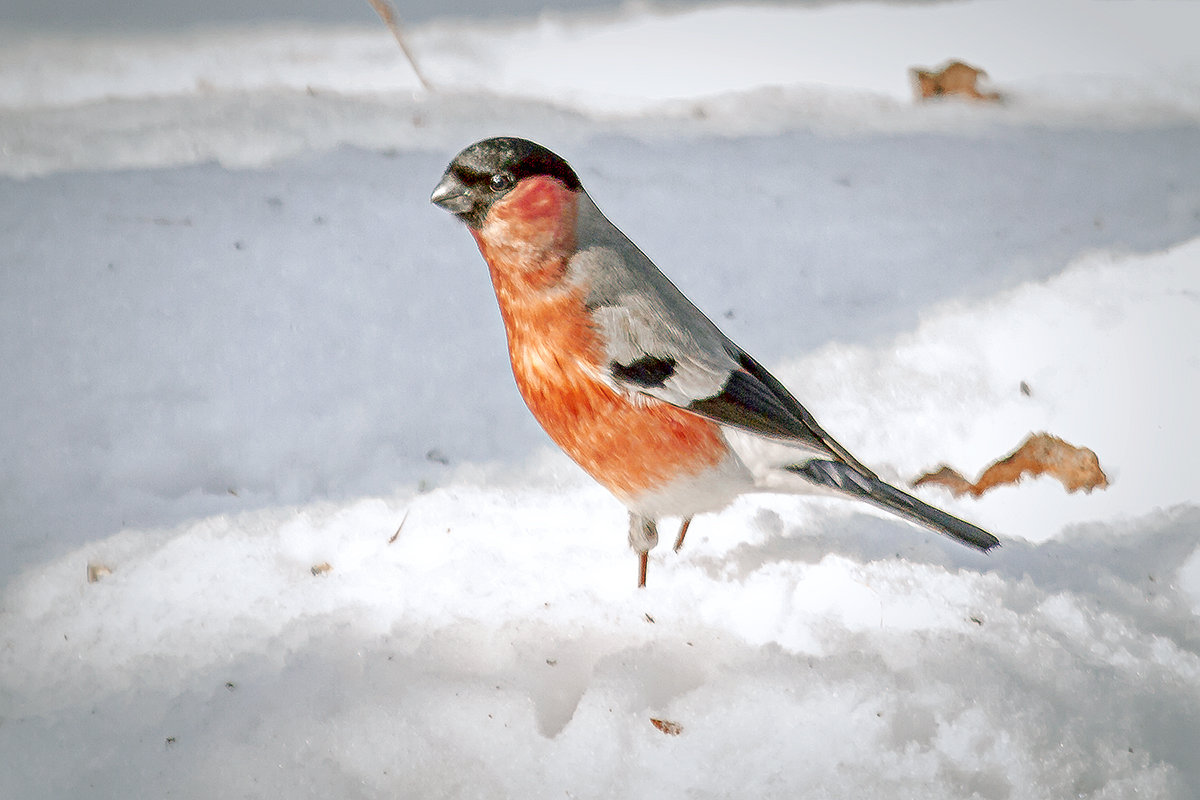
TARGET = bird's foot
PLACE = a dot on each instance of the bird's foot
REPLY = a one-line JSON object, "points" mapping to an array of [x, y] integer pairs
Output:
{"points": [[683, 529], [643, 535]]}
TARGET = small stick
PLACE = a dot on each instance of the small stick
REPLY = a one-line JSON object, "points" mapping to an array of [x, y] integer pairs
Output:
{"points": [[399, 527], [386, 13]]}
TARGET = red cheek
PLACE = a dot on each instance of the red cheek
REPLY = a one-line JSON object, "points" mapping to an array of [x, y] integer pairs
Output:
{"points": [[538, 214]]}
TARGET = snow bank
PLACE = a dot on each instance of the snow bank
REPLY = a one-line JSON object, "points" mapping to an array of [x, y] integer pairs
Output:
{"points": [[1108, 351], [641, 60], [635, 60], [255, 95], [485, 637], [187, 342], [344, 561]]}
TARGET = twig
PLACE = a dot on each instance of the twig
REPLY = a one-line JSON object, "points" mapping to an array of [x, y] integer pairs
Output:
{"points": [[388, 14], [400, 527]]}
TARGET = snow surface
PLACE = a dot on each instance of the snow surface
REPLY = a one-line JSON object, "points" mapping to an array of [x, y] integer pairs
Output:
{"points": [[238, 344]]}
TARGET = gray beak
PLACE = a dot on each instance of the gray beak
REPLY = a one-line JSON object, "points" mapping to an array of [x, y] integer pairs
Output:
{"points": [[452, 195]]}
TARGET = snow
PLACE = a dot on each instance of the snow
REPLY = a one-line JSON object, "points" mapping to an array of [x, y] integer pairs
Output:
{"points": [[238, 344]]}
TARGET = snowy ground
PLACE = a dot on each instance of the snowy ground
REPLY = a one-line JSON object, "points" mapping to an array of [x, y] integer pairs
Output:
{"points": [[238, 343]]}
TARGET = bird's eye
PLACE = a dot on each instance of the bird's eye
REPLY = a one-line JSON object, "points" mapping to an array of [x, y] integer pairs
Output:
{"points": [[501, 181]]}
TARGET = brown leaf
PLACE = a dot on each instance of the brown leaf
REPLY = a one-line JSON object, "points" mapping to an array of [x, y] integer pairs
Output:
{"points": [[667, 727], [321, 569], [947, 477], [1040, 454], [954, 78]]}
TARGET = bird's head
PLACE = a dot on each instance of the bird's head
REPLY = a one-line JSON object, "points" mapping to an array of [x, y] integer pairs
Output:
{"points": [[488, 170]]}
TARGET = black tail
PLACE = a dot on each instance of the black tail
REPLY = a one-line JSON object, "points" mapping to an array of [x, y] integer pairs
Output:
{"points": [[846, 479]]}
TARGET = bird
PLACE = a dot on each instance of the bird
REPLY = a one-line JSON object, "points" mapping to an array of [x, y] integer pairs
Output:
{"points": [[629, 377]]}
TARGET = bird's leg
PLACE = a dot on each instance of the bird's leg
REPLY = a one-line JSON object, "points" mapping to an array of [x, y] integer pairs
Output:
{"points": [[682, 533], [643, 535]]}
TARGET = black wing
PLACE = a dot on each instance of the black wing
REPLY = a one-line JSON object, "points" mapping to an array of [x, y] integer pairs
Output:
{"points": [[754, 400]]}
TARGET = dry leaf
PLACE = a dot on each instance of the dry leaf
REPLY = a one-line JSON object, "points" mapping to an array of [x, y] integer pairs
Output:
{"points": [[954, 78], [947, 477], [322, 568], [1040, 454], [669, 728]]}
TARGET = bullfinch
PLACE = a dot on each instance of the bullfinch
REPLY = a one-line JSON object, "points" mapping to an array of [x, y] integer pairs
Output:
{"points": [[626, 375]]}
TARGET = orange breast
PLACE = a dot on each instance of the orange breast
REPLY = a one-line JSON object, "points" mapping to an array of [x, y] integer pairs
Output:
{"points": [[628, 444]]}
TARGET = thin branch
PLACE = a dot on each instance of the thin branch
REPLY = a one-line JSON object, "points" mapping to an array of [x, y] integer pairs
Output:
{"points": [[400, 528], [388, 14]]}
